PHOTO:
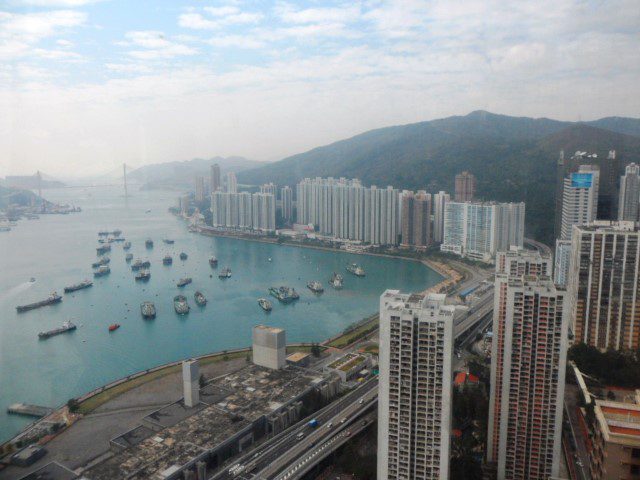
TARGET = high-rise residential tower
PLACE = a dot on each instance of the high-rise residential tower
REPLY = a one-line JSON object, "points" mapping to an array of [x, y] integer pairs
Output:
{"points": [[416, 219], [629, 202], [269, 188], [200, 192], [465, 187], [528, 361], [286, 197], [440, 200], [604, 284], [414, 397], [216, 183], [232, 183]]}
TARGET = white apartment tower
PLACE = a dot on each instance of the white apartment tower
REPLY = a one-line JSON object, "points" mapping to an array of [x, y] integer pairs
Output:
{"points": [[232, 183], [200, 189], [628, 205], [440, 200], [244, 211], [414, 397], [286, 197]]}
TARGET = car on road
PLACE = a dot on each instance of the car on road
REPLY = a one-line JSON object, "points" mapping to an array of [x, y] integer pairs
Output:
{"points": [[330, 425], [343, 420], [361, 401], [300, 436]]}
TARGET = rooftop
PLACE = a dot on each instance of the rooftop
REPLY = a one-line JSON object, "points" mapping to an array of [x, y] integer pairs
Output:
{"points": [[297, 356], [268, 329], [619, 421]]}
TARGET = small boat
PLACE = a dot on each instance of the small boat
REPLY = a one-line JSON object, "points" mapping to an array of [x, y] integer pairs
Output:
{"points": [[78, 286], [225, 273], [269, 259], [116, 233], [284, 294], [183, 256], [113, 327], [355, 269], [265, 304], [213, 261], [148, 243], [102, 271], [128, 257], [102, 261], [168, 241], [201, 300], [102, 249], [126, 245], [148, 310], [143, 275], [180, 304], [184, 281], [167, 260], [146, 264], [336, 281], [315, 286], [67, 326], [32, 279], [137, 265]]}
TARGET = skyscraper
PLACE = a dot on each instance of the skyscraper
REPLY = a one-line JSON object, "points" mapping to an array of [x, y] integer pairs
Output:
{"points": [[440, 199], [232, 183], [286, 197], [269, 188], [416, 219], [200, 193], [628, 205], [465, 187], [528, 361], [604, 284], [244, 211], [216, 184], [414, 397]]}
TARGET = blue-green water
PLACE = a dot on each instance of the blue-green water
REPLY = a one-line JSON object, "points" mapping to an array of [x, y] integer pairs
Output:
{"points": [[58, 250]]}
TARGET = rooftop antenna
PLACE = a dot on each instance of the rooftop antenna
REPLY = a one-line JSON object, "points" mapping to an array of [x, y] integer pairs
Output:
{"points": [[124, 168]]}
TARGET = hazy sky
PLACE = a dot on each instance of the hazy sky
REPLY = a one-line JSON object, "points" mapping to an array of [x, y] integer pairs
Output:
{"points": [[86, 85]]}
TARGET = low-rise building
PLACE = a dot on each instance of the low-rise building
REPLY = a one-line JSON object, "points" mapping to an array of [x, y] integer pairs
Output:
{"points": [[349, 366]]}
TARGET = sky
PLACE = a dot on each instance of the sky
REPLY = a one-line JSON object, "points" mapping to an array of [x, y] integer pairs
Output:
{"points": [[86, 85]]}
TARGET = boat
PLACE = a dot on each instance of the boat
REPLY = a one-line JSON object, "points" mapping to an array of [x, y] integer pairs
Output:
{"points": [[113, 327], [50, 300], [117, 239], [148, 310], [146, 264], [116, 233], [225, 273], [102, 249], [201, 300], [148, 243], [183, 256], [356, 269], [128, 257], [5, 228], [315, 286], [32, 279], [67, 326], [265, 304], [180, 304], [167, 260], [213, 261], [103, 233], [78, 286], [102, 271], [137, 265], [184, 281], [284, 294], [336, 281], [126, 245], [168, 241], [102, 261], [143, 275]]}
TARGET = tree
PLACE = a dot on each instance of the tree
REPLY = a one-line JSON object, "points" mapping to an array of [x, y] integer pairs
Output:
{"points": [[315, 350], [202, 380], [73, 405]]}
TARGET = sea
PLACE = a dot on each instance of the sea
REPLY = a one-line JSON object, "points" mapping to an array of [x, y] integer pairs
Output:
{"points": [[58, 250]]}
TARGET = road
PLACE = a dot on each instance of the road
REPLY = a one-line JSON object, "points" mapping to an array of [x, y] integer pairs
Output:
{"points": [[541, 247]]}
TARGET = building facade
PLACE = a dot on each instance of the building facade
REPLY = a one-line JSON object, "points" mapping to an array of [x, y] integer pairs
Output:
{"points": [[232, 183], [416, 219], [414, 399], [528, 361], [286, 198], [200, 189], [440, 200], [604, 284], [244, 211], [215, 178], [465, 187], [269, 347], [628, 204]]}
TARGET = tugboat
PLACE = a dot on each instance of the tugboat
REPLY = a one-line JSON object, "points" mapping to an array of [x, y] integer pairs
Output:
{"points": [[183, 256], [315, 286], [167, 260], [225, 273], [127, 245], [78, 286], [336, 281], [137, 265], [128, 257], [213, 261], [67, 326], [168, 241], [102, 271], [113, 327], [148, 310], [53, 298], [148, 243], [102, 249], [184, 281], [284, 294], [356, 269], [265, 304], [144, 275], [201, 300], [102, 261], [180, 304]]}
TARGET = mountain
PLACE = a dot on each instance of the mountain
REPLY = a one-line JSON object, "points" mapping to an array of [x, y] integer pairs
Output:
{"points": [[31, 182], [628, 126], [513, 158], [182, 174], [15, 196]]}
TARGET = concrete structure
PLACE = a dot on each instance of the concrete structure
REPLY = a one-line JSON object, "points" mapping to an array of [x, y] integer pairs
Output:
{"points": [[528, 363], [270, 188], [440, 200], [518, 261], [479, 230], [244, 211], [416, 219], [349, 366], [286, 199], [414, 397], [216, 181], [579, 199], [269, 347], [200, 190], [465, 187], [345, 209], [191, 382], [562, 262], [604, 284], [232, 183], [629, 201], [299, 359]]}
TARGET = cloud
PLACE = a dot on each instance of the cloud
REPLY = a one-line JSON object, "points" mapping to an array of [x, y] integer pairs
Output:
{"points": [[222, 16], [128, 68], [155, 45], [59, 3], [238, 41], [289, 14], [222, 11]]}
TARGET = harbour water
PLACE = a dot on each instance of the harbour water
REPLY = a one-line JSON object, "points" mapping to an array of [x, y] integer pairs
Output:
{"points": [[57, 250]]}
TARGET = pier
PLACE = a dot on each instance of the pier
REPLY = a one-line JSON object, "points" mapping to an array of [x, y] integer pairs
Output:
{"points": [[29, 410]]}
